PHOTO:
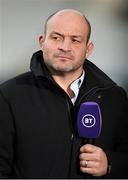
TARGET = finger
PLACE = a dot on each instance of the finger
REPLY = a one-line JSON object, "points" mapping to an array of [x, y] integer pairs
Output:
{"points": [[88, 148], [89, 164], [90, 167], [87, 156], [91, 171], [83, 164]]}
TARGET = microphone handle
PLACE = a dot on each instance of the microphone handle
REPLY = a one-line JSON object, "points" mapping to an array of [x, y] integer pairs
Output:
{"points": [[89, 141]]}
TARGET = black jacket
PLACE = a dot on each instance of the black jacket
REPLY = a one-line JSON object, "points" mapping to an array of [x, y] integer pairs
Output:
{"points": [[38, 134]]}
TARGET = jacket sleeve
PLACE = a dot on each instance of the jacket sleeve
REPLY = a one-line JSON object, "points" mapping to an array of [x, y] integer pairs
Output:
{"points": [[6, 138], [118, 159]]}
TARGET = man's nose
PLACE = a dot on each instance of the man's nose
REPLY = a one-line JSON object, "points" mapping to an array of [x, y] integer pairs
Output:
{"points": [[65, 45]]}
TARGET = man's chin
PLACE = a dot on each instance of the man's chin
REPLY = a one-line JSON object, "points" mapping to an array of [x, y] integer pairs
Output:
{"points": [[62, 69]]}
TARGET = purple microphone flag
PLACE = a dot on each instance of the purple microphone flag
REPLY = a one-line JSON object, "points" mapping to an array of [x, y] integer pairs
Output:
{"points": [[89, 120]]}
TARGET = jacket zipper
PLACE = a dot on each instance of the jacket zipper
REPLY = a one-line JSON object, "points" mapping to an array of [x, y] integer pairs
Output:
{"points": [[71, 138], [70, 118]]}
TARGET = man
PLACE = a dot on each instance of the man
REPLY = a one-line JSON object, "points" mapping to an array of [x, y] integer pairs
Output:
{"points": [[38, 109]]}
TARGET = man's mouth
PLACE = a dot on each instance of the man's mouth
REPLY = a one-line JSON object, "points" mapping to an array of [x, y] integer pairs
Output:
{"points": [[64, 57]]}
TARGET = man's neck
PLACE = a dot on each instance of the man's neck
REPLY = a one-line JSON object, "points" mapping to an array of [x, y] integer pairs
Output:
{"points": [[65, 80]]}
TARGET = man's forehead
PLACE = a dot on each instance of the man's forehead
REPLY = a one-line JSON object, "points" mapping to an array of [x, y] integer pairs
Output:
{"points": [[65, 15], [68, 11], [67, 19], [66, 31]]}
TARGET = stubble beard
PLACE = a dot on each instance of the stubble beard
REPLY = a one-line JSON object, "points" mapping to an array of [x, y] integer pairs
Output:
{"points": [[62, 68], [59, 67]]}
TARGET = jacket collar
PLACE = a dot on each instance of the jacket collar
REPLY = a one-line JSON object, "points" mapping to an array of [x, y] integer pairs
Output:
{"points": [[96, 77], [38, 67]]}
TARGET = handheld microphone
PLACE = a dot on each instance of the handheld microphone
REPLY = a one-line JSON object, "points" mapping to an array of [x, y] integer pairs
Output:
{"points": [[89, 121]]}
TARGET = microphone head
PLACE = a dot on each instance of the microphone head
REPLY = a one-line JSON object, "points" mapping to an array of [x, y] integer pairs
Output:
{"points": [[89, 120]]}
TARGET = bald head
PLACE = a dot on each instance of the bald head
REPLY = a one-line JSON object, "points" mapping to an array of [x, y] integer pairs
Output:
{"points": [[69, 14]]}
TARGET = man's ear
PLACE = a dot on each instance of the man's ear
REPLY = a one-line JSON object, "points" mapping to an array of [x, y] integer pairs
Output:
{"points": [[41, 40], [89, 49]]}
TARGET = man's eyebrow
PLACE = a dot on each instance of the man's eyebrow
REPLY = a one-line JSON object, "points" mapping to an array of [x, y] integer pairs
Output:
{"points": [[56, 33], [59, 34], [76, 36]]}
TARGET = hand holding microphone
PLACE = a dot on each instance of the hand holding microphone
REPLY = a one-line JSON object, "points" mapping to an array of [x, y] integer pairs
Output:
{"points": [[93, 159]]}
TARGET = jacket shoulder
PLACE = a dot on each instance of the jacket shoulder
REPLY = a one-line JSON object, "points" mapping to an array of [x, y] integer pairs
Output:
{"points": [[25, 77], [17, 83]]}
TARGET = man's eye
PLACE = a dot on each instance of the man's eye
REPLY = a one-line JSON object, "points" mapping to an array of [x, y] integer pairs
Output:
{"points": [[75, 41], [56, 38]]}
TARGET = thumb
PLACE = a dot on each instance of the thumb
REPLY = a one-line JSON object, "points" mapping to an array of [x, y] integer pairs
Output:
{"points": [[87, 148]]}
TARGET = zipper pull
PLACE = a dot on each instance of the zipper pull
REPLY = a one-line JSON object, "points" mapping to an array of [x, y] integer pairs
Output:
{"points": [[72, 136]]}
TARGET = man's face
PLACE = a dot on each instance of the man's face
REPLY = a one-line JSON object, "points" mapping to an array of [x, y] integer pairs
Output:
{"points": [[65, 43]]}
